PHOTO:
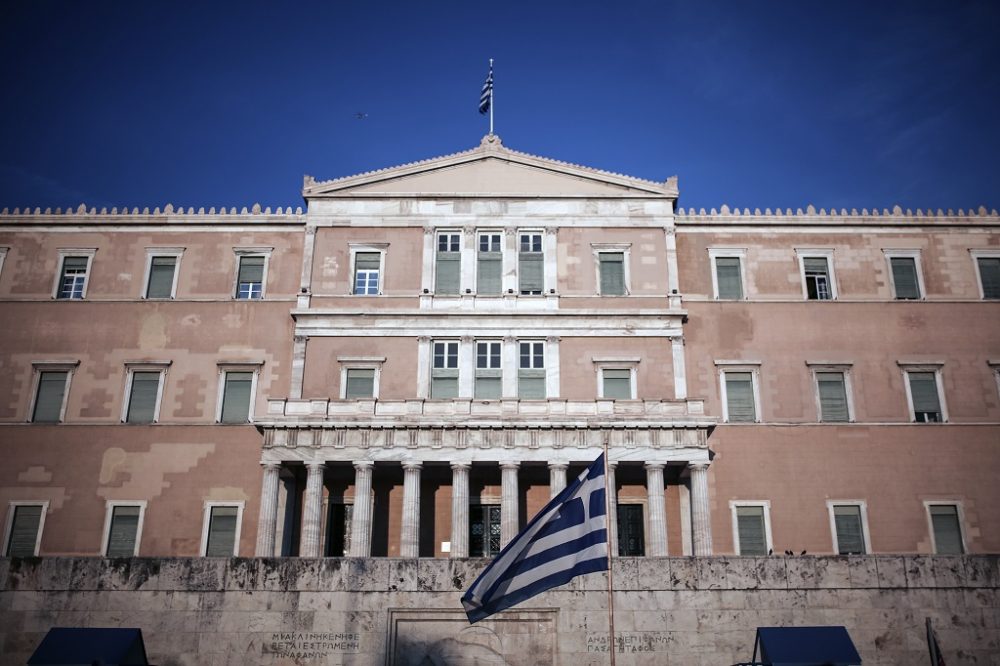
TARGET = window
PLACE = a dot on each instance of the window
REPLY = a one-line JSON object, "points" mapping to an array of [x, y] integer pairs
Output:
{"points": [[161, 272], [946, 528], [489, 268], [531, 370], [488, 371], [367, 269], [360, 383], [631, 540], [831, 386], [817, 274], [238, 386], [122, 528], [531, 264], [612, 272], [740, 392], [727, 273], [988, 269], [449, 263], [73, 274], [484, 530], [339, 519], [616, 383], [52, 385], [904, 271], [444, 371], [250, 278], [144, 386], [23, 532], [849, 526], [751, 528], [923, 392], [221, 529]]}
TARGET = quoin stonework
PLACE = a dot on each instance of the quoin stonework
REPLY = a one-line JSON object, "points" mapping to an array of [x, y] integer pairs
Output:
{"points": [[369, 394]]}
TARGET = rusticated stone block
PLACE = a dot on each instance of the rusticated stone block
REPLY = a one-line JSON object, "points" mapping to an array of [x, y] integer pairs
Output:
{"points": [[402, 575], [39, 573], [681, 575], [919, 571], [367, 574], [891, 571], [982, 571], [772, 573], [831, 572], [948, 571], [626, 572], [862, 571]]}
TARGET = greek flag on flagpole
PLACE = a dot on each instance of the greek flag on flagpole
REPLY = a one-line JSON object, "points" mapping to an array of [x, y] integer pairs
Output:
{"points": [[486, 97], [567, 538]]}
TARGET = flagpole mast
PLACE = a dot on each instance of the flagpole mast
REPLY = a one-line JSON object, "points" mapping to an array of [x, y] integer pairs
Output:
{"points": [[491, 98], [607, 513]]}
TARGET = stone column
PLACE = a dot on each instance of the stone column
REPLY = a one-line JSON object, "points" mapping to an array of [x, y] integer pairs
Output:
{"points": [[557, 477], [361, 519], [267, 521], [312, 512], [680, 371], [298, 366], [613, 508], [460, 509], [701, 515], [409, 542], [656, 543], [508, 502]]}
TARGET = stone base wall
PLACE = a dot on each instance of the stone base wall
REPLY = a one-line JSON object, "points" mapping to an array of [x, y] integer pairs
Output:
{"points": [[693, 611]]}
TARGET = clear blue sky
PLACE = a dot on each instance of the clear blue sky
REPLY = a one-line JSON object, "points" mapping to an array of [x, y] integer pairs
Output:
{"points": [[839, 104]]}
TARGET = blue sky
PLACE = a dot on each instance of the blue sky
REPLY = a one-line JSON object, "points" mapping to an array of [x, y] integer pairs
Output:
{"points": [[752, 104]]}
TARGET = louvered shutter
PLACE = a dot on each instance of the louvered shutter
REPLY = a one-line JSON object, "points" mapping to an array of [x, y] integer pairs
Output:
{"points": [[236, 397], [24, 531], [142, 401], [730, 282], [904, 277], [449, 272], [74, 263], [488, 387], [815, 265], [739, 396], [530, 272], [750, 525], [444, 387], [360, 383], [947, 532], [832, 396], [989, 272], [124, 528], [221, 532], [612, 269], [531, 386], [161, 277], [251, 269], [49, 401], [488, 278], [850, 539], [923, 390], [618, 384]]}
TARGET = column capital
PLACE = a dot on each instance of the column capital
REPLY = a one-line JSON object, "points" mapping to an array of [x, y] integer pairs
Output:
{"points": [[315, 464], [552, 339], [653, 464], [271, 465], [510, 465], [612, 464], [412, 464], [429, 231], [699, 466], [461, 465], [510, 232], [558, 466], [363, 464]]}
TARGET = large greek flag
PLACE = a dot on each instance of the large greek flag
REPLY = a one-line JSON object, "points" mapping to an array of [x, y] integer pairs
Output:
{"points": [[567, 538], [486, 96]]}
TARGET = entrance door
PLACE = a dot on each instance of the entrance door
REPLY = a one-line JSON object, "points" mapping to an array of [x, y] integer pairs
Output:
{"points": [[631, 540]]}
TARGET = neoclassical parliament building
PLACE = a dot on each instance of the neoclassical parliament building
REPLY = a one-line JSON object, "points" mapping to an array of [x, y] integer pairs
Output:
{"points": [[416, 361]]}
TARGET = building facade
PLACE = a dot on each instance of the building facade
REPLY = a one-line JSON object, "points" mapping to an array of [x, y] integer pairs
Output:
{"points": [[414, 364]]}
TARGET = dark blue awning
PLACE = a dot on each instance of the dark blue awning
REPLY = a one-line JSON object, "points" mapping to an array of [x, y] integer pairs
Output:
{"points": [[805, 646], [65, 646]]}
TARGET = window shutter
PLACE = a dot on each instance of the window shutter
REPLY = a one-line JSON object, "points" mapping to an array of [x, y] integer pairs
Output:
{"points": [[74, 263], [161, 277], [989, 272], [142, 402], [739, 396], [221, 532], [904, 276], [49, 401], [923, 390], [236, 397], [815, 265], [360, 383], [618, 384], [612, 269], [367, 261], [24, 531], [832, 396], [530, 272], [124, 528], [488, 387], [444, 387], [530, 387], [847, 520], [728, 276], [488, 279], [251, 269], [449, 271], [750, 525], [947, 533]]}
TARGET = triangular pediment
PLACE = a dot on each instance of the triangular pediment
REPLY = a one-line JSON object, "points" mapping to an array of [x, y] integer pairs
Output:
{"points": [[490, 170]]}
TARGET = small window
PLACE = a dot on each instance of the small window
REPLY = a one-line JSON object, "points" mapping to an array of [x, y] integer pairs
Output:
{"points": [[489, 268], [924, 398], [367, 266], [727, 273], [850, 535], [947, 529], [616, 383], [905, 272], [124, 525], [237, 396], [752, 533], [531, 264], [162, 276], [988, 267], [484, 530], [222, 530], [612, 273], [73, 277], [143, 397], [531, 370], [250, 278], [832, 389], [50, 400], [817, 274], [631, 539], [360, 383], [449, 264], [444, 372], [24, 528], [740, 393], [488, 371]]}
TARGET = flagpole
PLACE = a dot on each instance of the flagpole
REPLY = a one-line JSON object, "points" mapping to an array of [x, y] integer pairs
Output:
{"points": [[491, 98], [607, 513]]}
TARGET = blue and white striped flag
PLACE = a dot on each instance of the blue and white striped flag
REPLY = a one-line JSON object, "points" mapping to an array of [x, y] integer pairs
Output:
{"points": [[486, 97], [567, 538]]}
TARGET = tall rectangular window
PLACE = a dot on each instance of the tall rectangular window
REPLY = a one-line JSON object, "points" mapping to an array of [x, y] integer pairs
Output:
{"points": [[221, 537], [448, 279], [162, 271], [924, 397], [488, 371], [616, 383], [237, 394], [489, 268], [989, 276], [819, 285], [250, 277], [142, 405], [531, 370], [360, 383], [531, 264], [444, 371], [24, 531], [51, 397], [484, 530], [123, 530], [612, 273], [751, 528], [367, 268], [904, 278], [740, 403], [848, 526], [73, 278], [728, 278], [947, 529], [832, 397], [631, 539]]}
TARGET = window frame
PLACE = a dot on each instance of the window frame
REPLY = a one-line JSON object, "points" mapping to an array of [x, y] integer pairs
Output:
{"points": [[360, 363], [936, 367], [624, 249], [359, 248], [38, 367], [132, 367], [226, 367], [905, 253], [983, 253], [449, 233], [9, 523], [766, 505], [740, 253], [446, 375], [206, 520], [617, 363], [817, 253], [241, 252], [489, 372], [490, 232], [63, 254], [532, 231], [109, 511], [525, 373], [863, 509], [753, 367], [177, 253], [845, 370], [959, 513]]}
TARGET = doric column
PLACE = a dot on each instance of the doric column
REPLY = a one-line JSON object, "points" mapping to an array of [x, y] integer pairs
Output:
{"points": [[508, 502], [409, 542], [460, 509], [557, 477], [701, 518], [361, 518], [312, 512], [657, 541], [267, 520], [613, 508]]}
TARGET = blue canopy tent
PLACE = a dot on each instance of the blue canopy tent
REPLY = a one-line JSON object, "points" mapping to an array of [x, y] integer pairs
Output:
{"points": [[65, 646], [804, 646]]}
